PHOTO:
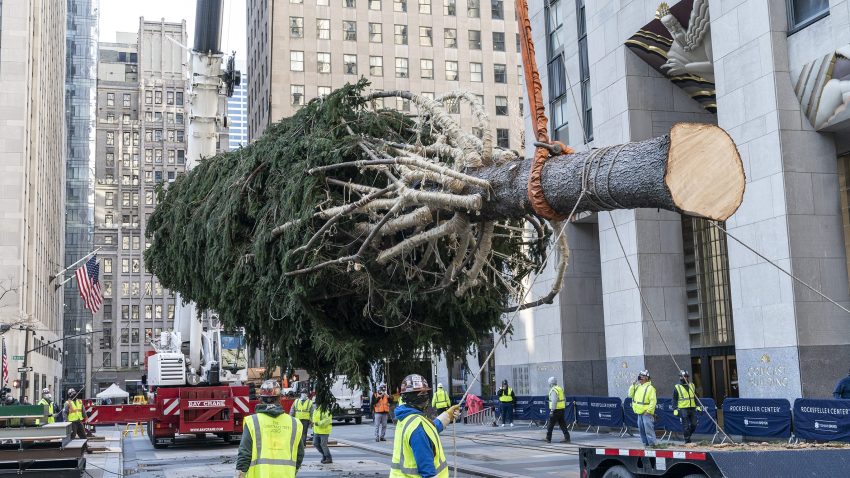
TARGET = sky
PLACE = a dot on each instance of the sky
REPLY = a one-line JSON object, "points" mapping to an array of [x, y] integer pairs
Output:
{"points": [[121, 15]]}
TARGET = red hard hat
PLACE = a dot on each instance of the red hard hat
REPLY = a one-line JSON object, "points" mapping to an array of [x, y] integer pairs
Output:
{"points": [[270, 388], [414, 383]]}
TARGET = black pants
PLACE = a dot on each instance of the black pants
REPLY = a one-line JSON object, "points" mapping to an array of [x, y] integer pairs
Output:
{"points": [[440, 410], [78, 429], [557, 416], [306, 424], [689, 421]]}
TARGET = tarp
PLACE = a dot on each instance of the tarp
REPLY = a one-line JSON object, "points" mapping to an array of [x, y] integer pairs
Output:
{"points": [[757, 417], [569, 410], [629, 416], [670, 422], [826, 420], [114, 391], [606, 412]]}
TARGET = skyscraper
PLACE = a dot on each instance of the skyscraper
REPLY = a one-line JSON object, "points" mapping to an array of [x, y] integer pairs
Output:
{"points": [[80, 88], [141, 142], [237, 114]]}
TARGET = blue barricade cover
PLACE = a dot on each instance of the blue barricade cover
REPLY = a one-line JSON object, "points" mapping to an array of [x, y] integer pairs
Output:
{"points": [[670, 422], [540, 408], [569, 411], [582, 409], [826, 420], [705, 425], [606, 412], [628, 414], [523, 409], [757, 417], [664, 418]]}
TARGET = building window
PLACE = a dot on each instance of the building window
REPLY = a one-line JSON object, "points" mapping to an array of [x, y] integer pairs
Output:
{"points": [[178, 118], [323, 29], [169, 97], [474, 39], [181, 155], [125, 140], [171, 156], [296, 27], [148, 97], [296, 61], [403, 104], [584, 72], [499, 41], [148, 198], [125, 334], [426, 36], [452, 105], [110, 99], [178, 98], [157, 97], [497, 9], [401, 34], [134, 336], [297, 92], [324, 91], [451, 70], [107, 266], [125, 359], [558, 111], [400, 5], [501, 105], [322, 3], [323, 62], [427, 68], [376, 65], [349, 30], [553, 28], [125, 118], [802, 13], [349, 3], [296, 1], [349, 64], [110, 159], [107, 359], [425, 6], [375, 35], [500, 73], [110, 138], [449, 8], [401, 68], [375, 5], [473, 8], [503, 139], [450, 37], [476, 72]]}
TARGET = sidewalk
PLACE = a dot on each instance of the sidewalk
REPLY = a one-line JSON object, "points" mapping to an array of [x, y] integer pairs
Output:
{"points": [[107, 457]]}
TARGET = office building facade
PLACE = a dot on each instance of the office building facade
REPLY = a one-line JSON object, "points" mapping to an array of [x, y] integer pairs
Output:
{"points": [[237, 114]]}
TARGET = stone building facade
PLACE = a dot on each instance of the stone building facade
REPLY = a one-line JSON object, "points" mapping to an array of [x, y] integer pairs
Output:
{"points": [[140, 143], [738, 323]]}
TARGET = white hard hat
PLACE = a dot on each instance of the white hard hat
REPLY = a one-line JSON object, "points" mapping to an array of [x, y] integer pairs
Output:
{"points": [[552, 381], [46, 390], [439, 385]]}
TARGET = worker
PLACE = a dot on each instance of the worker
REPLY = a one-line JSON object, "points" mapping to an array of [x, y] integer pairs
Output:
{"points": [[380, 411], [322, 424], [50, 407], [301, 409], [271, 443], [644, 400], [417, 449], [557, 411], [507, 400], [75, 413], [441, 401], [842, 388], [685, 404]]}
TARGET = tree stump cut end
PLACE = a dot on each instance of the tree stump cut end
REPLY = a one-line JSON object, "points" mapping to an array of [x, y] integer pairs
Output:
{"points": [[705, 174]]}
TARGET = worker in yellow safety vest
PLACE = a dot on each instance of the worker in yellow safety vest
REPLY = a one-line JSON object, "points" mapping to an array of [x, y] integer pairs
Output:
{"points": [[644, 401], [271, 445], [506, 403], [440, 401], [322, 425], [685, 405], [75, 413], [557, 411], [301, 409], [417, 449], [50, 407]]}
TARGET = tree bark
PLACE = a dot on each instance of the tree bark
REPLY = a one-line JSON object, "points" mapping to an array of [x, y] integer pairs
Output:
{"points": [[695, 170]]}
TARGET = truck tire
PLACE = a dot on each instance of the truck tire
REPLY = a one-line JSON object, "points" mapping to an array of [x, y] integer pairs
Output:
{"points": [[358, 420], [618, 472]]}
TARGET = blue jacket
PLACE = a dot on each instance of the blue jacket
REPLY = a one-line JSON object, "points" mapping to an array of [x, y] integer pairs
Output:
{"points": [[842, 388], [423, 451]]}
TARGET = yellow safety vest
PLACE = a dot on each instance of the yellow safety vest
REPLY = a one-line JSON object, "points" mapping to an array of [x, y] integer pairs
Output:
{"points": [[302, 409], [687, 396], [50, 411], [506, 397], [441, 399], [75, 413], [643, 398], [404, 463], [275, 442], [322, 422], [562, 401]]}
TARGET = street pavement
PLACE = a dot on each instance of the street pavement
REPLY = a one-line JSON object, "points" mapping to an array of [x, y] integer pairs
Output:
{"points": [[477, 450]]}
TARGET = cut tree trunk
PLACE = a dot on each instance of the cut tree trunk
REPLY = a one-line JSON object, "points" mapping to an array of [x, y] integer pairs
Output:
{"points": [[694, 170]]}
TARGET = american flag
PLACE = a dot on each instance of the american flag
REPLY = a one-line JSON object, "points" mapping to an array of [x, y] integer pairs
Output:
{"points": [[89, 283], [5, 363]]}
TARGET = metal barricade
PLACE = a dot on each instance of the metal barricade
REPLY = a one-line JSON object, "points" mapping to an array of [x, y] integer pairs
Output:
{"points": [[483, 417]]}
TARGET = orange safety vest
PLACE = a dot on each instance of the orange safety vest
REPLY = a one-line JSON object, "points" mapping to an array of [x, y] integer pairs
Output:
{"points": [[382, 405]]}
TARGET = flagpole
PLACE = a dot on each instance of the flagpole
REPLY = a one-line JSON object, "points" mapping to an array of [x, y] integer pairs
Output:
{"points": [[55, 276]]}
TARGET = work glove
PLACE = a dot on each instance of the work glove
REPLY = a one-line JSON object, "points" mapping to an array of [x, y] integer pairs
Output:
{"points": [[450, 415], [699, 409], [676, 413], [239, 474]]}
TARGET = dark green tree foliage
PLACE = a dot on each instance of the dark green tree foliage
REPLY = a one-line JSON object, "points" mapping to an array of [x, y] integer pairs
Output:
{"points": [[211, 241]]}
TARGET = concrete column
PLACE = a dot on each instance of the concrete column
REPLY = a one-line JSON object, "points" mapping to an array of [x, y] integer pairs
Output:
{"points": [[632, 102], [789, 341]]}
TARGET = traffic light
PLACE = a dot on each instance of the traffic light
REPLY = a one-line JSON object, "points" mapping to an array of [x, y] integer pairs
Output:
{"points": [[16, 383]]}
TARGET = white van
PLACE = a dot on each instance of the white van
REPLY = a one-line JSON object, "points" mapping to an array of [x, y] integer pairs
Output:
{"points": [[349, 401]]}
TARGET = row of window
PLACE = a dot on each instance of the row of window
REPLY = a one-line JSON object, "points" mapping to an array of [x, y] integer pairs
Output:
{"points": [[129, 199], [450, 8], [402, 67], [131, 312], [134, 289], [150, 117], [172, 97], [151, 135], [128, 359], [152, 156], [133, 179], [400, 34]]}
